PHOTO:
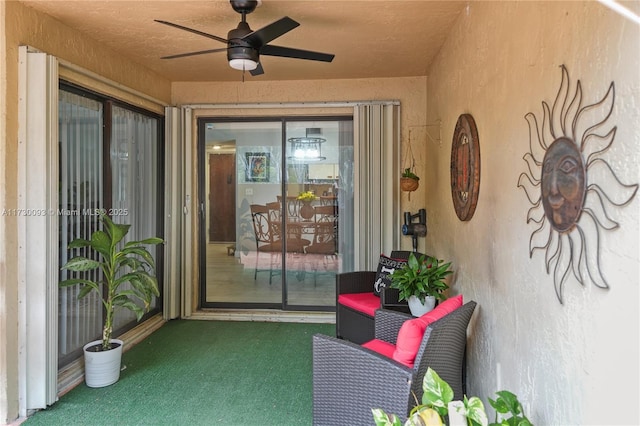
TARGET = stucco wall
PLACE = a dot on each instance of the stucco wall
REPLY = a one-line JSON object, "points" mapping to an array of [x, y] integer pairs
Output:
{"points": [[575, 363], [21, 25]]}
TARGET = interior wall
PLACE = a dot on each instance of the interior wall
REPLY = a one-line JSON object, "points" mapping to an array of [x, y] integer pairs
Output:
{"points": [[571, 363], [23, 26]]}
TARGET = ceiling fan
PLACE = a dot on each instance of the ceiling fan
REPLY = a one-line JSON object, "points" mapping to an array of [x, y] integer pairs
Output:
{"points": [[245, 46]]}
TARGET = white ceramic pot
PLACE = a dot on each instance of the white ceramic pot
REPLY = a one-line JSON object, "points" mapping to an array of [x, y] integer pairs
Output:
{"points": [[102, 368], [417, 308]]}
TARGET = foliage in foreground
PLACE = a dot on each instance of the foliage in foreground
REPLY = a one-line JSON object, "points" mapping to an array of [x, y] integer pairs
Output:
{"points": [[437, 404]]}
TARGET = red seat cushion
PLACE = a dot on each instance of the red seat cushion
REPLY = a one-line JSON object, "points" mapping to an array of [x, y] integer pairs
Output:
{"points": [[380, 346], [411, 332], [366, 303]]}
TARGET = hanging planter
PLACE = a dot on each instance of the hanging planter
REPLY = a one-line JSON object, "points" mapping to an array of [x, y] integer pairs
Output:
{"points": [[409, 181]]}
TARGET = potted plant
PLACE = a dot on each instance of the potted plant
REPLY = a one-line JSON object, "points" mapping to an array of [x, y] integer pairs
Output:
{"points": [[409, 181], [420, 282], [118, 264]]}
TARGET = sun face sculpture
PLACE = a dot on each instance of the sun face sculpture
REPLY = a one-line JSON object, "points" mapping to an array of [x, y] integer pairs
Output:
{"points": [[568, 211]]}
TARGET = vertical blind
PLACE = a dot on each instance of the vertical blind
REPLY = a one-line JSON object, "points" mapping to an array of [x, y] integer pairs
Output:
{"points": [[81, 190], [134, 176]]}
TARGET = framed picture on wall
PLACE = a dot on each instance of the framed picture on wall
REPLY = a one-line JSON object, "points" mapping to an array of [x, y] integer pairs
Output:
{"points": [[258, 166]]}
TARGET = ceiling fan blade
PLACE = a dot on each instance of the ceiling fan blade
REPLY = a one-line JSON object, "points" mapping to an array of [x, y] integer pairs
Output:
{"points": [[289, 52], [272, 31], [201, 52], [258, 71], [191, 30]]}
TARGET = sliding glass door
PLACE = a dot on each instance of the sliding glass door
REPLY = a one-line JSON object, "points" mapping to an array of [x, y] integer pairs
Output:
{"points": [[276, 209], [110, 157]]}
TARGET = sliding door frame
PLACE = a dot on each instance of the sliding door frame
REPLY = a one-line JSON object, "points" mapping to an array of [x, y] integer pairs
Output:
{"points": [[383, 161]]}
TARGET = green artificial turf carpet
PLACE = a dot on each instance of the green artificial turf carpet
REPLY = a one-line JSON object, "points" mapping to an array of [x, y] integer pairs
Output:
{"points": [[203, 373]]}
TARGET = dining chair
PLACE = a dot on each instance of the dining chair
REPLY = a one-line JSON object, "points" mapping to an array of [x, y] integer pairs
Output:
{"points": [[266, 240]]}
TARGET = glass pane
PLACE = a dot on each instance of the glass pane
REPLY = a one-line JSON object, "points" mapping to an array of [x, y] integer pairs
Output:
{"points": [[241, 175], [81, 189], [134, 182], [317, 152], [282, 252]]}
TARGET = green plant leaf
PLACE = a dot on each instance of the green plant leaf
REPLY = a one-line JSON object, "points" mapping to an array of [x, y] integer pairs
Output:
{"points": [[142, 252], [81, 264], [511, 401], [101, 243], [115, 230], [150, 282], [383, 419], [88, 288], [78, 243], [129, 304], [75, 281], [148, 241], [475, 412], [437, 393]]}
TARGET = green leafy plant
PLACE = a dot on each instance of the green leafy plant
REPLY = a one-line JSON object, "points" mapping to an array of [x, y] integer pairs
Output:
{"points": [[437, 401], [131, 263], [421, 277], [408, 173], [507, 403]]}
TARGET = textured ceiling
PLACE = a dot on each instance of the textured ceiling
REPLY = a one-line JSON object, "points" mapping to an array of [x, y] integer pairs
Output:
{"points": [[370, 39]]}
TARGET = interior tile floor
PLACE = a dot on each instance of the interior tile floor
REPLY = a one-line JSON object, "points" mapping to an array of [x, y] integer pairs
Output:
{"points": [[231, 277]]}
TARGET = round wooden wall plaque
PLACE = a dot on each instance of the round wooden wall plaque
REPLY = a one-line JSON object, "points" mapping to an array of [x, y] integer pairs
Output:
{"points": [[465, 167]]}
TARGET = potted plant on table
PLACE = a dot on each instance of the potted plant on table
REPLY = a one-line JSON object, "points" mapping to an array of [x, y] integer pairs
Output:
{"points": [[118, 264], [420, 282], [306, 209]]}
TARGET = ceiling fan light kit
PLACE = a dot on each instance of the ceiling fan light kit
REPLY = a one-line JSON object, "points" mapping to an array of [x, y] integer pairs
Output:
{"points": [[245, 46], [243, 64]]}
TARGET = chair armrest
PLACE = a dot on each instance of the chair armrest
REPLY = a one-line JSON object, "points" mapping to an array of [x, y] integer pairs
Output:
{"points": [[389, 297], [349, 380], [387, 324], [355, 282]]}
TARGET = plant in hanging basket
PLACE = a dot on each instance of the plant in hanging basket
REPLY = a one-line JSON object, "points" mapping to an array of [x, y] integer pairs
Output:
{"points": [[409, 181]]}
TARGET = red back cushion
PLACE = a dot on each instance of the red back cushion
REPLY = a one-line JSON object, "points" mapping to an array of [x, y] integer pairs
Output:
{"points": [[411, 332]]}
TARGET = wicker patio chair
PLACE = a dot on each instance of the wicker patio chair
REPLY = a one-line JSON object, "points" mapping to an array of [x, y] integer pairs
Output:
{"points": [[349, 380], [355, 325]]}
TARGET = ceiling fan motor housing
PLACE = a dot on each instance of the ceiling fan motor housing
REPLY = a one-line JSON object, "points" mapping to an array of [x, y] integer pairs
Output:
{"points": [[242, 52], [239, 48]]}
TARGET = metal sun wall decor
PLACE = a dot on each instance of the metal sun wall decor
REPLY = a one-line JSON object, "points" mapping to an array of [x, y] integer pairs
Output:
{"points": [[569, 212]]}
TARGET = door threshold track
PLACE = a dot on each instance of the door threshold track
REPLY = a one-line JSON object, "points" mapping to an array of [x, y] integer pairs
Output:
{"points": [[264, 315]]}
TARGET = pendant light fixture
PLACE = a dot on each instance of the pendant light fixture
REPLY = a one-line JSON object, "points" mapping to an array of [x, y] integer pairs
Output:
{"points": [[307, 149]]}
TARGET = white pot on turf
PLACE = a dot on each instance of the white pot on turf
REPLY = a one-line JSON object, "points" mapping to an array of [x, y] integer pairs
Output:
{"points": [[102, 368], [418, 308]]}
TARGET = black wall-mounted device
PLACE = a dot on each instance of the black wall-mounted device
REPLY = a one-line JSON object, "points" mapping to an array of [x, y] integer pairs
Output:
{"points": [[417, 229]]}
